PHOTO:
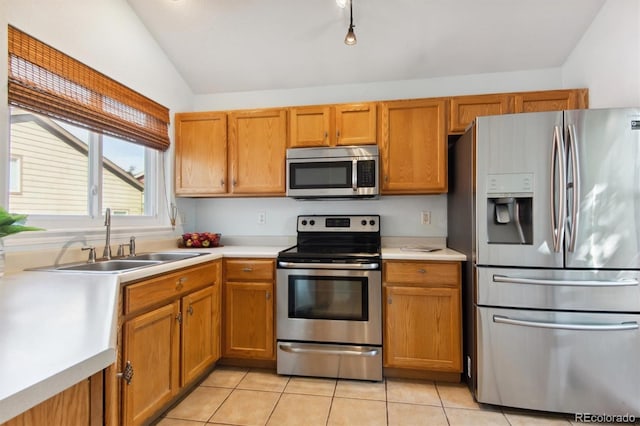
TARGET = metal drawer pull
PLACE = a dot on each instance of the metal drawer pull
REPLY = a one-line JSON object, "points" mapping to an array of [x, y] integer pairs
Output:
{"points": [[353, 351], [247, 269], [292, 265], [190, 310], [559, 326], [576, 283], [422, 271]]}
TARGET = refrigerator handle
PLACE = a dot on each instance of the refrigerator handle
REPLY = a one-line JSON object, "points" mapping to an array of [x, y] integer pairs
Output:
{"points": [[574, 185], [558, 211]]}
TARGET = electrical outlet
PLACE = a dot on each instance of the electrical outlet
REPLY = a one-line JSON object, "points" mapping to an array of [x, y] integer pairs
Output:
{"points": [[425, 217], [262, 217]]}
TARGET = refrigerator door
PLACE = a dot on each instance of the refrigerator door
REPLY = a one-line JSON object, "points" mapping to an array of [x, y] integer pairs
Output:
{"points": [[570, 362], [518, 190], [603, 229]]}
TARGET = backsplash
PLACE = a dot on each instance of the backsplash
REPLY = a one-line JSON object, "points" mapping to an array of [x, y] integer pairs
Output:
{"points": [[400, 215]]}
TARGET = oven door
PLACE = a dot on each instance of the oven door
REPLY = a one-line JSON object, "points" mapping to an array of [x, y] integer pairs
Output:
{"points": [[329, 305]]}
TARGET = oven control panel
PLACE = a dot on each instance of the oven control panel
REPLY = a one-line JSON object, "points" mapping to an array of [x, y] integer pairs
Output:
{"points": [[336, 223]]}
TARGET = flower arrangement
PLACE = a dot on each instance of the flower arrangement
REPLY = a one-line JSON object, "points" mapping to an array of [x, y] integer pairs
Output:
{"points": [[200, 240], [13, 223]]}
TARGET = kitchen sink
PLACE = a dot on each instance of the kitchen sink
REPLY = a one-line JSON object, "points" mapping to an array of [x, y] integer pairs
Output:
{"points": [[165, 257], [109, 266], [120, 265]]}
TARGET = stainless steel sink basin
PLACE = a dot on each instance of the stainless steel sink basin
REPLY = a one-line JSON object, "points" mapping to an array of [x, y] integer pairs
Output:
{"points": [[165, 257], [109, 266], [115, 266]]}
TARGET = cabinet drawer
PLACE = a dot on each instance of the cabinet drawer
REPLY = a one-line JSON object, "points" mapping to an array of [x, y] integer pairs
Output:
{"points": [[419, 272], [147, 293], [249, 269]]}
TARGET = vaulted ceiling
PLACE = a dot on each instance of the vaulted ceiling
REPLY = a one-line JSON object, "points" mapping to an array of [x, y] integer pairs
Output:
{"points": [[248, 45]]}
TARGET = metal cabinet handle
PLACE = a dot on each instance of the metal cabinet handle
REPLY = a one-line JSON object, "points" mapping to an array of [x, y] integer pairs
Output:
{"points": [[326, 134], [575, 283], [179, 317], [329, 350], [127, 373], [389, 300], [221, 182], [268, 295], [560, 326], [180, 283], [247, 269], [422, 271], [190, 309]]}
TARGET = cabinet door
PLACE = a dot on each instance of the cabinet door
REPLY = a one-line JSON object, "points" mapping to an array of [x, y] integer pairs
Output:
{"points": [[551, 100], [152, 346], [257, 145], [201, 153], [422, 328], [413, 147], [309, 126], [200, 340], [248, 319], [464, 109], [355, 124], [69, 407]]}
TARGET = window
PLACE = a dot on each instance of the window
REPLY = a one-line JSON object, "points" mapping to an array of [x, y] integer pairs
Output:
{"points": [[80, 142], [62, 169]]}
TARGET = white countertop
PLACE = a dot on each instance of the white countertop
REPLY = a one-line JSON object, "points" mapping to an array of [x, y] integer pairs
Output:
{"points": [[57, 329], [417, 253]]}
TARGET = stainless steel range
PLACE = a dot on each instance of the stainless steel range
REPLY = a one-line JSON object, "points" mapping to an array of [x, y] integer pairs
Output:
{"points": [[329, 292]]}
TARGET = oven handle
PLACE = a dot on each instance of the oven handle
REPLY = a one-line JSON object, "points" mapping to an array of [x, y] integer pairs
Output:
{"points": [[296, 265], [559, 326], [353, 351]]}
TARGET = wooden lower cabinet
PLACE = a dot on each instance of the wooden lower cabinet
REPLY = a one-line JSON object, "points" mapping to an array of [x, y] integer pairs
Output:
{"points": [[422, 316], [200, 332], [170, 338], [152, 348], [79, 405], [249, 309]]}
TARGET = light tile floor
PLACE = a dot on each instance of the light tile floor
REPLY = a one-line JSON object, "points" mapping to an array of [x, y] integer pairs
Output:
{"points": [[237, 396]]}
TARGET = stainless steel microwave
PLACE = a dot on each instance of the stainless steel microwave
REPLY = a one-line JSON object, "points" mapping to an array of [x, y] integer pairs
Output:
{"points": [[340, 172]]}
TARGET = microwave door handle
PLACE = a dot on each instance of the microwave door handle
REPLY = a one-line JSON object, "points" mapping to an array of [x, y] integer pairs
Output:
{"points": [[354, 175]]}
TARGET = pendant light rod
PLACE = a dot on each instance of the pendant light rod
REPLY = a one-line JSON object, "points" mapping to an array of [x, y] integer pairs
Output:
{"points": [[350, 39]]}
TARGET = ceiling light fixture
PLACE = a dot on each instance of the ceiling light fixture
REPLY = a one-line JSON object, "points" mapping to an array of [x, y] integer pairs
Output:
{"points": [[350, 39]]}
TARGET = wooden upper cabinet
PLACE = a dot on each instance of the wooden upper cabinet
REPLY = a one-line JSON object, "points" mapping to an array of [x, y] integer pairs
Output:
{"points": [[309, 126], [331, 125], [413, 146], [355, 124], [200, 153], [257, 146], [464, 109], [551, 100]]}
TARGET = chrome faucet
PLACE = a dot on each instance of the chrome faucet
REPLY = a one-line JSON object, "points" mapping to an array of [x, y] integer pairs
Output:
{"points": [[106, 254]]}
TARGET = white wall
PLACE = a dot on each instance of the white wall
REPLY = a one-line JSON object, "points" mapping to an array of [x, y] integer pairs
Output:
{"points": [[541, 79], [400, 215], [607, 58], [107, 36]]}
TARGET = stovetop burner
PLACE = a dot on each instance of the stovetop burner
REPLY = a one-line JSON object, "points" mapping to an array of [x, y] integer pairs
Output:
{"points": [[333, 237]]}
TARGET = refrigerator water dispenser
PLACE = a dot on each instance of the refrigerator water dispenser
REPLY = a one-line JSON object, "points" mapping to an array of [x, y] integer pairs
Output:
{"points": [[510, 209]]}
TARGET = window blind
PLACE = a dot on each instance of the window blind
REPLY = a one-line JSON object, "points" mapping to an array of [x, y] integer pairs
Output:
{"points": [[47, 81]]}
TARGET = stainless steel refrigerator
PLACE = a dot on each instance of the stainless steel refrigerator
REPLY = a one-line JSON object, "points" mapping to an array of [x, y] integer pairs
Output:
{"points": [[547, 208]]}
